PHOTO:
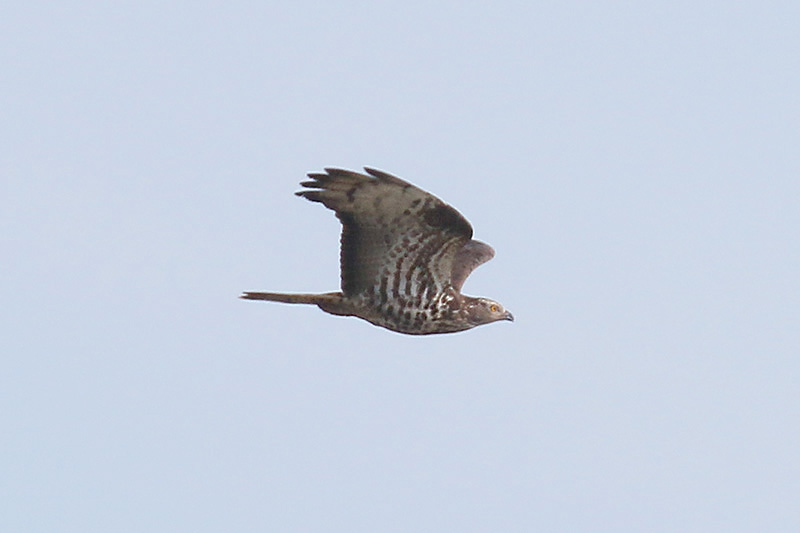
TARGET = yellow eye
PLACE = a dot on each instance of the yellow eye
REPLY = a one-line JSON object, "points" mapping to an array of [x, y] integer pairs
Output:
{"points": [[493, 308]]}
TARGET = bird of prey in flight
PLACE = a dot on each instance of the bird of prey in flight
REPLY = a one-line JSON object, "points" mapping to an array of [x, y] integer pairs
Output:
{"points": [[405, 255]]}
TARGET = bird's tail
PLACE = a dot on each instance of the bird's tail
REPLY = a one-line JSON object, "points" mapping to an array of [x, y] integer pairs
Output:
{"points": [[313, 299], [331, 302]]}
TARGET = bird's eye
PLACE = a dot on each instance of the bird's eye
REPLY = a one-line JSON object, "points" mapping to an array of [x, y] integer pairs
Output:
{"points": [[493, 308]]}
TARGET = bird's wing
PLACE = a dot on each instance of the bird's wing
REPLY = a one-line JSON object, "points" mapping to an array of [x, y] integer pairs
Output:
{"points": [[398, 241], [468, 258]]}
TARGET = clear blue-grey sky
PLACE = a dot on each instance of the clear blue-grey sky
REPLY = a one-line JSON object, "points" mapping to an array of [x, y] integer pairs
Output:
{"points": [[634, 164]]}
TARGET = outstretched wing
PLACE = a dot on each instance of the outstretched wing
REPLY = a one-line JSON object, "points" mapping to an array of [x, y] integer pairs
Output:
{"points": [[398, 241]]}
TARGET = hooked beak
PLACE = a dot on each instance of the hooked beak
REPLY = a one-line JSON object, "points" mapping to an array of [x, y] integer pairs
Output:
{"points": [[509, 317]]}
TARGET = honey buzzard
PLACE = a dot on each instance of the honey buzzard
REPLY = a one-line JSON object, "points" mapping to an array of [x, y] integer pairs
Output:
{"points": [[405, 255]]}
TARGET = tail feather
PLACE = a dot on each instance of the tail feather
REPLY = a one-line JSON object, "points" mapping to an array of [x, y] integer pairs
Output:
{"points": [[313, 299], [330, 302]]}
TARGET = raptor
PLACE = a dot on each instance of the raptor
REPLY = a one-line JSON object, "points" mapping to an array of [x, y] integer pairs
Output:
{"points": [[405, 255]]}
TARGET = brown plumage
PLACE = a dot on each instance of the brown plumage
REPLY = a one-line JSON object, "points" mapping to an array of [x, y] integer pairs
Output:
{"points": [[405, 255]]}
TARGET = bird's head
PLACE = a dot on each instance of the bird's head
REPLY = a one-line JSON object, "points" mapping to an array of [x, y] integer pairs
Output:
{"points": [[483, 311]]}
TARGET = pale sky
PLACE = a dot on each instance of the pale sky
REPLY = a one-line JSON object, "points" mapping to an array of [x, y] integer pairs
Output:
{"points": [[635, 166]]}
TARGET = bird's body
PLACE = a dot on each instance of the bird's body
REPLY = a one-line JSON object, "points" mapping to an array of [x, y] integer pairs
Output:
{"points": [[405, 255]]}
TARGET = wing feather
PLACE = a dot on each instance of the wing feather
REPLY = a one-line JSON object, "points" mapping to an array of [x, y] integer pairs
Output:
{"points": [[469, 257], [397, 240]]}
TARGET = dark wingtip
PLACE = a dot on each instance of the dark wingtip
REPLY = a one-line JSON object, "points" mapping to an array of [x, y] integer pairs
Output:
{"points": [[385, 176], [313, 196], [333, 172], [374, 172]]}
